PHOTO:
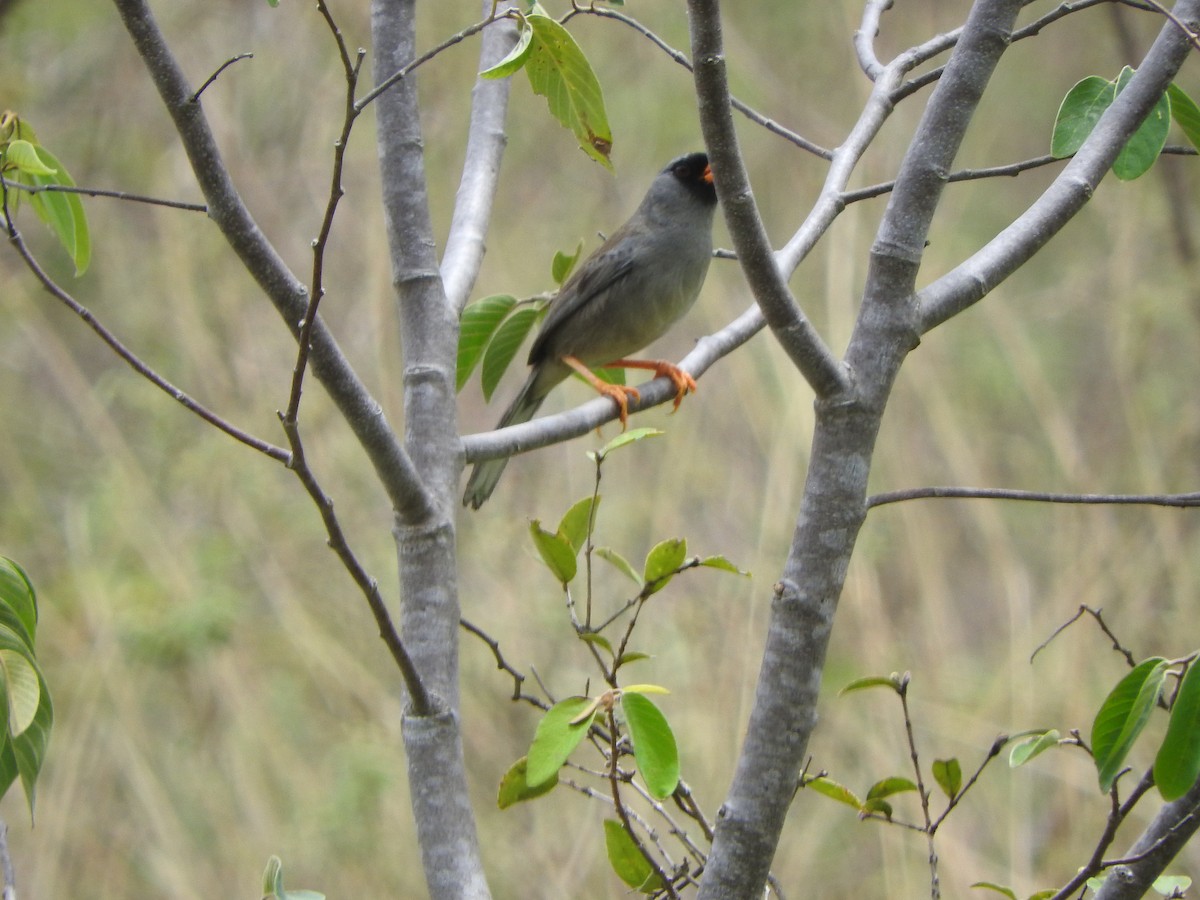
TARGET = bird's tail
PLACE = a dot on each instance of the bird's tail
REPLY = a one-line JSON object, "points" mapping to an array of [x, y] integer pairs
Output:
{"points": [[486, 473]]}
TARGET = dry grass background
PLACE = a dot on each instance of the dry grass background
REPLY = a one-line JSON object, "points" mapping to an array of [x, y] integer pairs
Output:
{"points": [[221, 694]]}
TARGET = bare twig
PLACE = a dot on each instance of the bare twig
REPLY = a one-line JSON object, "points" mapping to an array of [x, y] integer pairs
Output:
{"points": [[422, 703], [132, 359], [101, 192], [1178, 501], [213, 77], [1097, 615], [503, 664]]}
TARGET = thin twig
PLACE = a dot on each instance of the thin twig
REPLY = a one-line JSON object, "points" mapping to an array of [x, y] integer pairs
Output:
{"points": [[101, 192], [422, 703], [1097, 615], [503, 665], [213, 77], [1178, 501], [372, 95], [132, 359]]}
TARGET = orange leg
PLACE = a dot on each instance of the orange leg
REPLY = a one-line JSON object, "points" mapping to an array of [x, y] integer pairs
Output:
{"points": [[661, 368], [619, 393]]}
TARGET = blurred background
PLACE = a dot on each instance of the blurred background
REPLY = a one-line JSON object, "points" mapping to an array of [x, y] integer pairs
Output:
{"points": [[221, 693]]}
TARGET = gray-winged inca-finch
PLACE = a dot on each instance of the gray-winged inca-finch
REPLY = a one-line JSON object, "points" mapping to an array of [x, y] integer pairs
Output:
{"points": [[624, 296]]}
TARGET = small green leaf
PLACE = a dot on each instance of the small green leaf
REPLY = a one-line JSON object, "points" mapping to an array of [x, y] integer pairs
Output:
{"points": [[273, 884], [23, 156], [559, 71], [631, 656], [830, 788], [627, 860], [563, 263], [654, 745], [1171, 885], [998, 888], [558, 734], [514, 788], [948, 774], [1094, 884], [624, 439], [1186, 114], [1122, 717], [504, 346], [479, 322], [517, 57], [63, 212], [645, 689], [889, 786], [577, 522], [1145, 144], [593, 637], [720, 562], [1042, 895], [1177, 765], [1032, 746], [1078, 114], [621, 563], [556, 552], [18, 598], [861, 684], [24, 693], [663, 560]]}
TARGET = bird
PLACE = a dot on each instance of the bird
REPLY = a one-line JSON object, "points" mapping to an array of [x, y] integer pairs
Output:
{"points": [[626, 295]]}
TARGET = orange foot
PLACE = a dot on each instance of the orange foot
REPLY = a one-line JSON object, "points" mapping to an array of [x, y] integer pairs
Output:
{"points": [[619, 393], [684, 383]]}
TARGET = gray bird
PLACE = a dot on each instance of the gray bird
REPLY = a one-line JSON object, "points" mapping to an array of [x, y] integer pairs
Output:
{"points": [[624, 296]]}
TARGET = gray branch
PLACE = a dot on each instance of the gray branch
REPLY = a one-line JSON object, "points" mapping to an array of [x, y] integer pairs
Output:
{"points": [[285, 291]]}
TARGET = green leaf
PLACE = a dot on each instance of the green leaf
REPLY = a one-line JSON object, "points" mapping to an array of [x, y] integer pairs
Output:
{"points": [[654, 745], [878, 807], [594, 637], [1177, 765], [1032, 746], [18, 599], [663, 560], [514, 787], [621, 563], [577, 522], [1042, 895], [830, 788], [889, 786], [861, 684], [645, 689], [627, 860], [29, 747], [1145, 144], [1171, 885], [999, 889], [631, 656], [948, 774], [24, 694], [1186, 114], [273, 884], [563, 263], [479, 322], [559, 71], [720, 562], [23, 156], [1122, 717], [1078, 114], [556, 552], [517, 57], [62, 211], [558, 734], [504, 346], [608, 376], [624, 439]]}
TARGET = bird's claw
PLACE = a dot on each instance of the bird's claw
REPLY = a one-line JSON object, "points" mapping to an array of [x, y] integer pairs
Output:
{"points": [[620, 395]]}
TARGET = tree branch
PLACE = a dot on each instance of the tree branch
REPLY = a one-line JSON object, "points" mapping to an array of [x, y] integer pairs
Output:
{"points": [[791, 327], [289, 296], [465, 244], [969, 282]]}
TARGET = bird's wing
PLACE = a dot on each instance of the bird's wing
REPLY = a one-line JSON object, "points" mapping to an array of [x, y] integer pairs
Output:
{"points": [[600, 272]]}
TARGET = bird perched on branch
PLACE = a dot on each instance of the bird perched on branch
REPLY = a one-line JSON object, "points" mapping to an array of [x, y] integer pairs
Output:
{"points": [[624, 296]]}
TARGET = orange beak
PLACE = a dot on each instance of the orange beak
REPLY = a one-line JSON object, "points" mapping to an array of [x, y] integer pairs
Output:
{"points": [[707, 176]]}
